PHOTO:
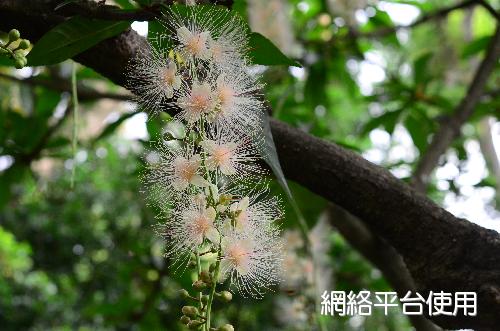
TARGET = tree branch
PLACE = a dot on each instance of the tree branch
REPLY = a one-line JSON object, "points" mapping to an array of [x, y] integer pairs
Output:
{"points": [[381, 255], [84, 93], [442, 252], [439, 14], [450, 129]]}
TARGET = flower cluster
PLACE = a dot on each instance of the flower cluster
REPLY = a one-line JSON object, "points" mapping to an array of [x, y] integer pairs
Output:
{"points": [[217, 213]]}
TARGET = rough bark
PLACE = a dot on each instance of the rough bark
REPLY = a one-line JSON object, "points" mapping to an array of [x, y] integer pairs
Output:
{"points": [[442, 252]]}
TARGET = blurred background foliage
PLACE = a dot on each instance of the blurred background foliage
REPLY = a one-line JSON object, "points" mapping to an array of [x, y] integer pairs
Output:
{"points": [[87, 258]]}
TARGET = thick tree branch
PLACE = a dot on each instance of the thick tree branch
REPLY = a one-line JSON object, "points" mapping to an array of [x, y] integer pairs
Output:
{"points": [[382, 255], [84, 93], [450, 129], [442, 252]]}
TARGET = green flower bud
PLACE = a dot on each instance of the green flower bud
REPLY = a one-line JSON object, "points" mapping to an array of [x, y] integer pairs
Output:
{"points": [[204, 299], [14, 35], [24, 44], [193, 325], [184, 293], [205, 277], [3, 51], [190, 311], [225, 199], [224, 296], [185, 320], [18, 53], [19, 63], [199, 285], [226, 327]]}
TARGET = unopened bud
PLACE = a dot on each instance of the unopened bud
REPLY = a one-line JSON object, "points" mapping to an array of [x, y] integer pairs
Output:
{"points": [[205, 277], [14, 35], [199, 285], [19, 64], [184, 293], [225, 296], [226, 327], [190, 311], [185, 320], [204, 299], [24, 44], [193, 325], [225, 199]]}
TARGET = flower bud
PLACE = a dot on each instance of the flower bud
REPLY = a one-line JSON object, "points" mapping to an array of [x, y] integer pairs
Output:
{"points": [[199, 285], [24, 44], [184, 293], [225, 199], [19, 64], [193, 325], [204, 299], [3, 51], [190, 311], [14, 35], [226, 327], [205, 277], [185, 320], [225, 296]]}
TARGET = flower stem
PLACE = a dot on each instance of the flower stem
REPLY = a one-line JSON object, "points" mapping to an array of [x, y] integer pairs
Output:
{"points": [[212, 290], [198, 265]]}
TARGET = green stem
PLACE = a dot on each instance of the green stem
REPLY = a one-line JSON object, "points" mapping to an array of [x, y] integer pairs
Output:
{"points": [[198, 265], [212, 290], [75, 122]]}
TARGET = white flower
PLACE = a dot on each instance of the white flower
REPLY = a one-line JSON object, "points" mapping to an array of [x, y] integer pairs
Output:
{"points": [[238, 107], [186, 172], [208, 34], [171, 79], [193, 44], [189, 225], [154, 78], [177, 169], [233, 153], [251, 260], [256, 211], [196, 102]]}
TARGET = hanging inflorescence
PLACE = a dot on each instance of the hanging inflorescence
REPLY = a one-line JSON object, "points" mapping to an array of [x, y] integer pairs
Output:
{"points": [[217, 213]]}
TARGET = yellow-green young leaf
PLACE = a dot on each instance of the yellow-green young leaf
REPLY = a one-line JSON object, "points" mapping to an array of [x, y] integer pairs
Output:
{"points": [[264, 52], [71, 38]]}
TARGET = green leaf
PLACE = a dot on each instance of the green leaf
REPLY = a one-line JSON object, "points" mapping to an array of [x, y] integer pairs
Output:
{"points": [[422, 74], [71, 38], [476, 46], [264, 52], [270, 156]]}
